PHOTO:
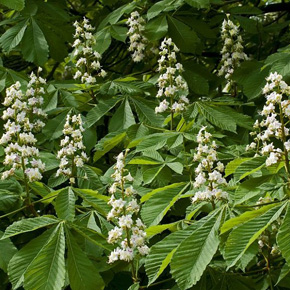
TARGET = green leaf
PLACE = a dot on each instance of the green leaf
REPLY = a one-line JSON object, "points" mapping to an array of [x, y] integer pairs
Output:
{"points": [[196, 82], [12, 37], [154, 141], [24, 257], [14, 4], [160, 203], [88, 177], [150, 174], [8, 200], [103, 40], [198, 3], [96, 113], [114, 16], [81, 272], [283, 236], [34, 45], [156, 28], [250, 188], [123, 118], [176, 166], [252, 77], [143, 160], [28, 225], [164, 5], [233, 165], [244, 235], [195, 252], [154, 230], [108, 143], [119, 32], [217, 118], [161, 253], [249, 167], [145, 111], [65, 204], [183, 36], [7, 252], [135, 286], [245, 217], [47, 270], [96, 200]]}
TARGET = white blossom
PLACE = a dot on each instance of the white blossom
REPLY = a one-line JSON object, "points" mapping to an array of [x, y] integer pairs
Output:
{"points": [[137, 40], [22, 118], [209, 170], [171, 85], [129, 232], [232, 51], [275, 114], [87, 60], [72, 152]]}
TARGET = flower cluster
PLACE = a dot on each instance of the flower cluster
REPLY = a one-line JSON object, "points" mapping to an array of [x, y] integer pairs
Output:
{"points": [[209, 170], [232, 51], [129, 231], [275, 113], [23, 119], [72, 152], [137, 39], [88, 61], [170, 82]]}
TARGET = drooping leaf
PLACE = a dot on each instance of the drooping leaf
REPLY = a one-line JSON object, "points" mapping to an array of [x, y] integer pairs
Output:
{"points": [[194, 253], [245, 234], [82, 273], [29, 225], [161, 253], [123, 118], [159, 203], [12, 37], [183, 36], [34, 45], [47, 270], [23, 258]]}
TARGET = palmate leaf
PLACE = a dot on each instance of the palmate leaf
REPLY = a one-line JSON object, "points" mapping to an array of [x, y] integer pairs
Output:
{"points": [[82, 273], [65, 204], [145, 111], [34, 45], [47, 270], [100, 110], [107, 143], [159, 202], [183, 36], [194, 253], [283, 236], [123, 118], [24, 257], [217, 118], [161, 253], [246, 232], [12, 37], [29, 225]]}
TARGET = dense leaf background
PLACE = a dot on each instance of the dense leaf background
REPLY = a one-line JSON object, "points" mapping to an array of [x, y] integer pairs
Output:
{"points": [[193, 246]]}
